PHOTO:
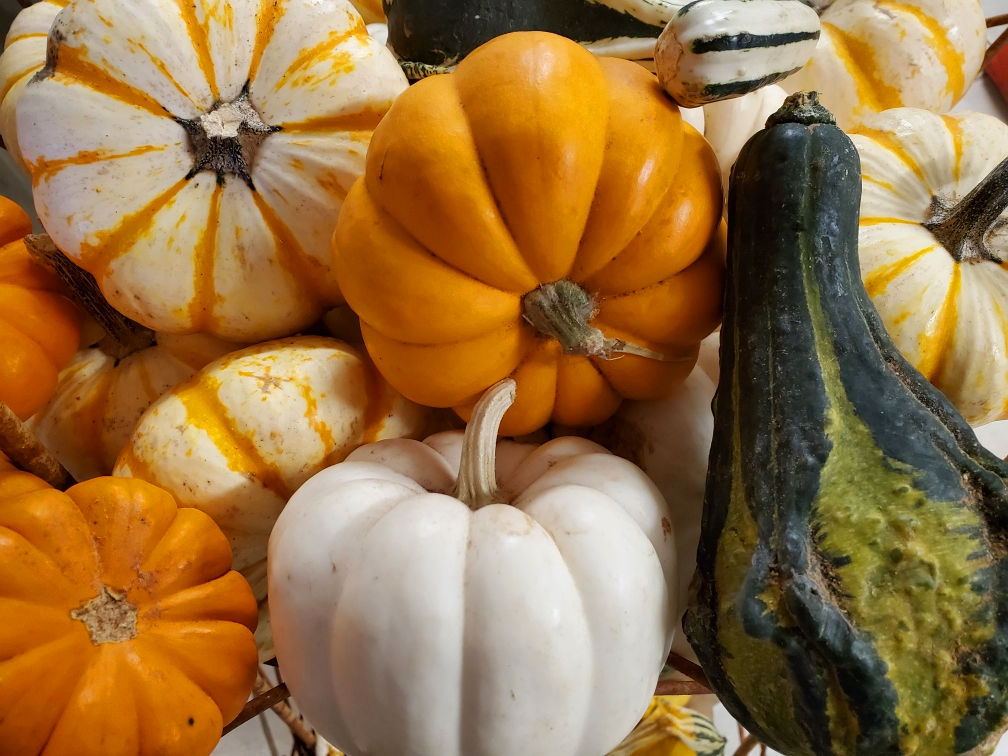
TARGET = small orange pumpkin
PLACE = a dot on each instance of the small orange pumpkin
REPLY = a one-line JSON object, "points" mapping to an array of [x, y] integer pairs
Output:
{"points": [[535, 172], [39, 327], [123, 629]]}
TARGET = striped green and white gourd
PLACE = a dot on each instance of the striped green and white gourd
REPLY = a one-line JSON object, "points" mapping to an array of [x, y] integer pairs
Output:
{"points": [[713, 50]]}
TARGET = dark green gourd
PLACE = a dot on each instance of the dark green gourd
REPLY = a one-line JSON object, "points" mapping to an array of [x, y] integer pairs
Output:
{"points": [[431, 36], [852, 578]]}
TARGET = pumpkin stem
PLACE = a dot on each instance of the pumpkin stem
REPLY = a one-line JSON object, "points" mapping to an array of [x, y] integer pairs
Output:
{"points": [[963, 227], [23, 449], [125, 336], [562, 311], [109, 617], [225, 139], [803, 108], [476, 485]]}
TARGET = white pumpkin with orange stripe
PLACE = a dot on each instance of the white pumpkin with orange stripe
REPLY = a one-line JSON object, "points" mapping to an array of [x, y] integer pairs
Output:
{"points": [[99, 398], [24, 54], [878, 54], [194, 156], [240, 436], [931, 256]]}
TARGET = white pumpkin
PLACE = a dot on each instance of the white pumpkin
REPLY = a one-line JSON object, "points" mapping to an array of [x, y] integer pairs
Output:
{"points": [[942, 290], [872, 56], [518, 606], [193, 157], [23, 55], [670, 439], [728, 124]]}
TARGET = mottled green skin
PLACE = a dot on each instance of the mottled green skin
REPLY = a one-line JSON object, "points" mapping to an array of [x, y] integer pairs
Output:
{"points": [[853, 580]]}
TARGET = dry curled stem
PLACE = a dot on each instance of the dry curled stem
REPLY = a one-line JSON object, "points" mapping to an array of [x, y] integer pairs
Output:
{"points": [[25, 451], [127, 336]]}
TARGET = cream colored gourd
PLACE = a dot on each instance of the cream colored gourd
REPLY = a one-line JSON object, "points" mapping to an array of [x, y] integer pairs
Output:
{"points": [[873, 56], [728, 124], [24, 53], [946, 311], [240, 436], [193, 157], [450, 597], [99, 398], [244, 432]]}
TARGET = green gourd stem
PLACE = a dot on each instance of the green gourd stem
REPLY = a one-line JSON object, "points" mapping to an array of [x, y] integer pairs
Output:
{"points": [[962, 227], [562, 310], [803, 108], [476, 485]]}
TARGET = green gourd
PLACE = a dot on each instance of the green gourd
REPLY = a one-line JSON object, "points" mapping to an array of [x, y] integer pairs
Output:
{"points": [[432, 36], [852, 579]]}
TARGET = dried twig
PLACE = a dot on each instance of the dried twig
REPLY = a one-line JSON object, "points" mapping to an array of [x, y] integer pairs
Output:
{"points": [[688, 668], [256, 706], [304, 736], [995, 47], [998, 20], [26, 452], [128, 336], [748, 744], [681, 688]]}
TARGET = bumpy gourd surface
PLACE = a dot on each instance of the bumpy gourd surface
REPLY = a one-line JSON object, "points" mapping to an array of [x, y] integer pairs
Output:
{"points": [[851, 554]]}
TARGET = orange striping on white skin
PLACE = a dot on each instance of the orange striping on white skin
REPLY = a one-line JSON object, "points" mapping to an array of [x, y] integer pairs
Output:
{"points": [[877, 280], [205, 411], [940, 332], [290, 254], [953, 60], [200, 44], [205, 297], [13, 80], [892, 143], [75, 64], [266, 22], [108, 245], [955, 131]]}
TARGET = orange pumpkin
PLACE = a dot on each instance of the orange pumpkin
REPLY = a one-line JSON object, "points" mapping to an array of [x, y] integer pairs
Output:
{"points": [[39, 327], [534, 172], [123, 629]]}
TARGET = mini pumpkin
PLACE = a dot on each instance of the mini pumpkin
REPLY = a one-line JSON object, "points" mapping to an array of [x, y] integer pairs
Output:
{"points": [[669, 439], [124, 629], [467, 596], [932, 255], [193, 157], [24, 54], [100, 398], [873, 56], [541, 213], [240, 436], [39, 326]]}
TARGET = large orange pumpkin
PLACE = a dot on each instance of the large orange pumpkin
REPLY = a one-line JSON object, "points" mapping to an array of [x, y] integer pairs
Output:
{"points": [[534, 173], [123, 629], [39, 327]]}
